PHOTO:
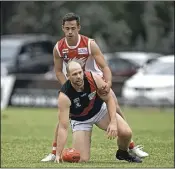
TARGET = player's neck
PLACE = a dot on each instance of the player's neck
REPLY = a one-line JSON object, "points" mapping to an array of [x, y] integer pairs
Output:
{"points": [[78, 88], [73, 42]]}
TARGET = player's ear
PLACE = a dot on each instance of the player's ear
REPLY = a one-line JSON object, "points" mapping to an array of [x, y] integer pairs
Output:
{"points": [[79, 27], [63, 27]]}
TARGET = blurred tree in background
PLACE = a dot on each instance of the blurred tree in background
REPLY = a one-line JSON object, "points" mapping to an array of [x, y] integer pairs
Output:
{"points": [[125, 25]]}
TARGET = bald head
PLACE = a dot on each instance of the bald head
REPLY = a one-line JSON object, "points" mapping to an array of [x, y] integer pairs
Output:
{"points": [[72, 66], [75, 74]]}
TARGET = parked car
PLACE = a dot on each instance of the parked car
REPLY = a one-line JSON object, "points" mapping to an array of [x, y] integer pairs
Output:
{"points": [[139, 58], [121, 67], [26, 53], [152, 85], [4, 71]]}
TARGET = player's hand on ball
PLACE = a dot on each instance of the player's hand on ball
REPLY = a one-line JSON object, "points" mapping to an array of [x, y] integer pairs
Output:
{"points": [[58, 159], [112, 130]]}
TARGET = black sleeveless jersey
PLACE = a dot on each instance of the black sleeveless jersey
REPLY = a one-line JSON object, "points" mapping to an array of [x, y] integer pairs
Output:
{"points": [[85, 104]]}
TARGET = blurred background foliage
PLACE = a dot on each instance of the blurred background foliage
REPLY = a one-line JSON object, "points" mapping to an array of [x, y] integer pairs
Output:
{"points": [[117, 26]]}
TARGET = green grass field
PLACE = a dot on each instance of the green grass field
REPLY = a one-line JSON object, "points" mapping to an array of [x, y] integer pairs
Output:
{"points": [[27, 134]]}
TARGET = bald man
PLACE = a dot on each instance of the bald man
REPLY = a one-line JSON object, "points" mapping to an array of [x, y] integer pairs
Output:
{"points": [[80, 101]]}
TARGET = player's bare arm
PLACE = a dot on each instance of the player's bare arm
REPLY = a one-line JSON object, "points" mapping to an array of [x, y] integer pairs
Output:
{"points": [[100, 60], [107, 73], [58, 65], [119, 111], [109, 100], [64, 109]]}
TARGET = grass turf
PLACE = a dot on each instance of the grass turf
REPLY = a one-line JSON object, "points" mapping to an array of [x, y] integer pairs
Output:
{"points": [[27, 133]]}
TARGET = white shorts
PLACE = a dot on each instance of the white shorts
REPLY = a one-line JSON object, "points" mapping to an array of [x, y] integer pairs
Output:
{"points": [[87, 125]]}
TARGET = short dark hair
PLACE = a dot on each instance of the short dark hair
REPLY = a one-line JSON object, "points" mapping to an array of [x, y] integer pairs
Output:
{"points": [[71, 17]]}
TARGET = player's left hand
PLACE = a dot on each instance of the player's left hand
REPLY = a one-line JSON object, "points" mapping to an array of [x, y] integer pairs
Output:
{"points": [[112, 130]]}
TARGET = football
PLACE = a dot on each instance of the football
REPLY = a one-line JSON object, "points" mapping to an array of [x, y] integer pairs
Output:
{"points": [[70, 155]]}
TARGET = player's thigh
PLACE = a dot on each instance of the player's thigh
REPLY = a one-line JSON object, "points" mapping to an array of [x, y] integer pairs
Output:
{"points": [[122, 126], [104, 121], [82, 142]]}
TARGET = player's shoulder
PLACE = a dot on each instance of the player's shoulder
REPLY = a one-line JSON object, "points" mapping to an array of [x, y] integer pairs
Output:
{"points": [[60, 42], [86, 40], [63, 100], [93, 77], [85, 37], [65, 86], [66, 90]]}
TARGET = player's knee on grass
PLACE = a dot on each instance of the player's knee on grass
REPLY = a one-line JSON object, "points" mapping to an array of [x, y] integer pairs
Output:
{"points": [[84, 154], [81, 142]]}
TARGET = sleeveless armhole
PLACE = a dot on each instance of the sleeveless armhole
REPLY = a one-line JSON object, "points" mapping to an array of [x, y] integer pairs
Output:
{"points": [[91, 81], [57, 48], [89, 41], [65, 89], [94, 80]]}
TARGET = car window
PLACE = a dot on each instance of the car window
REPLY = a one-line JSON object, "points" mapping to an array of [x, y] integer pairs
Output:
{"points": [[159, 67], [42, 47], [119, 65], [26, 49], [25, 53], [8, 52], [38, 48]]}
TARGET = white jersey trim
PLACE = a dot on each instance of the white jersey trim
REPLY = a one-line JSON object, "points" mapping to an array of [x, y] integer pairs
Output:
{"points": [[73, 47], [90, 53], [56, 46]]}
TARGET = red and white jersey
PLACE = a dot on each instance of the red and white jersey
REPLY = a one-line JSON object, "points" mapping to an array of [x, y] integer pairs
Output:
{"points": [[81, 53]]}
